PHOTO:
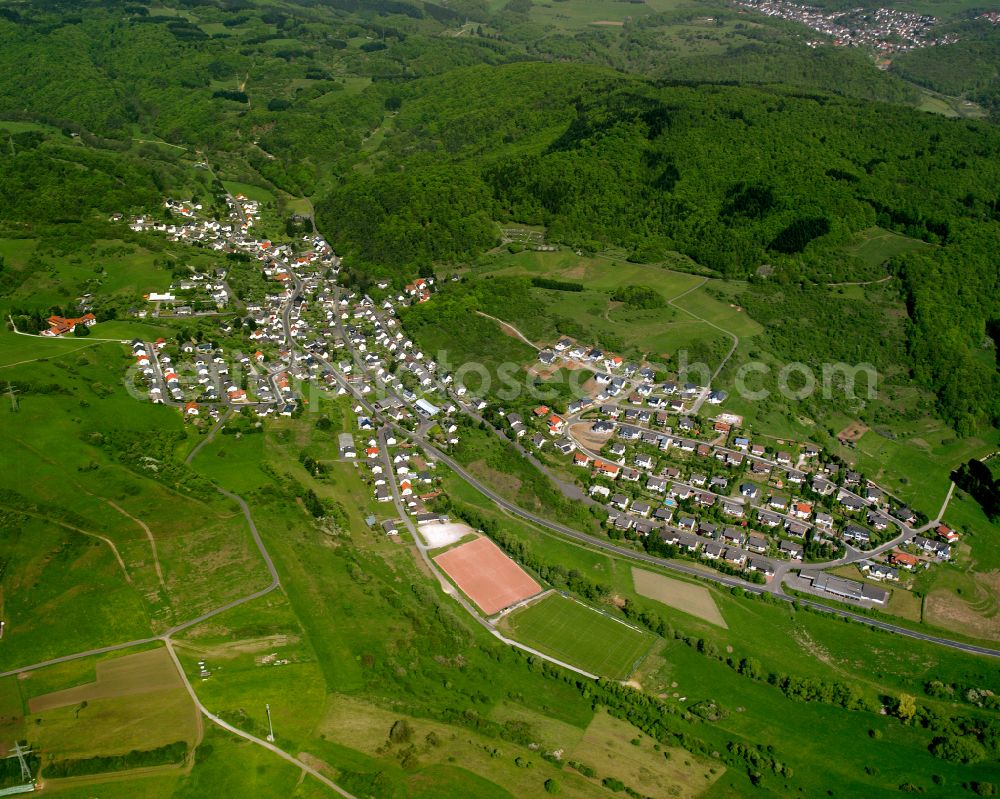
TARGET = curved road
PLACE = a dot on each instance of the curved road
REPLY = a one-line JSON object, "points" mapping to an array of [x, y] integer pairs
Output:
{"points": [[446, 586], [721, 579], [165, 639], [252, 738], [211, 434]]}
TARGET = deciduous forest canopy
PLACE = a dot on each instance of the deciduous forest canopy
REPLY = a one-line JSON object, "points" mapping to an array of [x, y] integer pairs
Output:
{"points": [[415, 150]]}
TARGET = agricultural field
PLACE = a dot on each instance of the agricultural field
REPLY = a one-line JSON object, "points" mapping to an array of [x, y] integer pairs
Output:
{"points": [[965, 601], [417, 750], [693, 599], [869, 764], [694, 317], [915, 460], [16, 349], [117, 272], [687, 317], [578, 14], [137, 702], [128, 675], [580, 635], [101, 708], [257, 654], [85, 504], [249, 190], [17, 252], [594, 272]]}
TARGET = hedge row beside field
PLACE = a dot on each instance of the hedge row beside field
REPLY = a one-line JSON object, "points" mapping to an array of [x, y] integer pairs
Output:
{"points": [[175, 752]]}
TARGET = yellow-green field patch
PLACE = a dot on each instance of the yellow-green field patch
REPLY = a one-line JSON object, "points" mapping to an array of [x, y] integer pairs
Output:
{"points": [[877, 245], [365, 728], [137, 702], [124, 676], [11, 714], [614, 748], [695, 600], [249, 190], [977, 613]]}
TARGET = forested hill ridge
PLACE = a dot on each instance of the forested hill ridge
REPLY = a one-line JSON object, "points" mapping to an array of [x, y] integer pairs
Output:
{"points": [[734, 177], [416, 128]]}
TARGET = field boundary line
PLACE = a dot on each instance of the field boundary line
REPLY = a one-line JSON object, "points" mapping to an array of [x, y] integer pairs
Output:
{"points": [[604, 613], [524, 603]]}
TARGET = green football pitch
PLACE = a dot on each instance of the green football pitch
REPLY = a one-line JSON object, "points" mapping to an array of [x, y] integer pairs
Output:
{"points": [[581, 636]]}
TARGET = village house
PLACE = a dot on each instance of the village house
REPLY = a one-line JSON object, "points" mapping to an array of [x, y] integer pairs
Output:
{"points": [[856, 534], [880, 571], [644, 461], [760, 565], [938, 549], [59, 325], [791, 549]]}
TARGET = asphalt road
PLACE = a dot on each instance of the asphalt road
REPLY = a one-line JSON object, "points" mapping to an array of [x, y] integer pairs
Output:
{"points": [[720, 579], [446, 586]]}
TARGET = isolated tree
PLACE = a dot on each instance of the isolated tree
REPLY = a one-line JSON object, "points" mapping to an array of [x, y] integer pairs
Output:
{"points": [[401, 732], [907, 708]]}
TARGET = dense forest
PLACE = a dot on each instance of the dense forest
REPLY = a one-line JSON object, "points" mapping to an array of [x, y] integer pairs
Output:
{"points": [[732, 177]]}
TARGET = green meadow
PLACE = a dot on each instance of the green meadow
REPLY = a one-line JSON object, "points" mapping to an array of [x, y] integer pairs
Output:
{"points": [[876, 245], [93, 509], [249, 190]]}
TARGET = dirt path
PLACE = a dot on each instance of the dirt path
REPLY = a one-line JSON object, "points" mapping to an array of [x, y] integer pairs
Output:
{"points": [[149, 535], [157, 141], [210, 435], [105, 539], [511, 330], [733, 336], [860, 282]]}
